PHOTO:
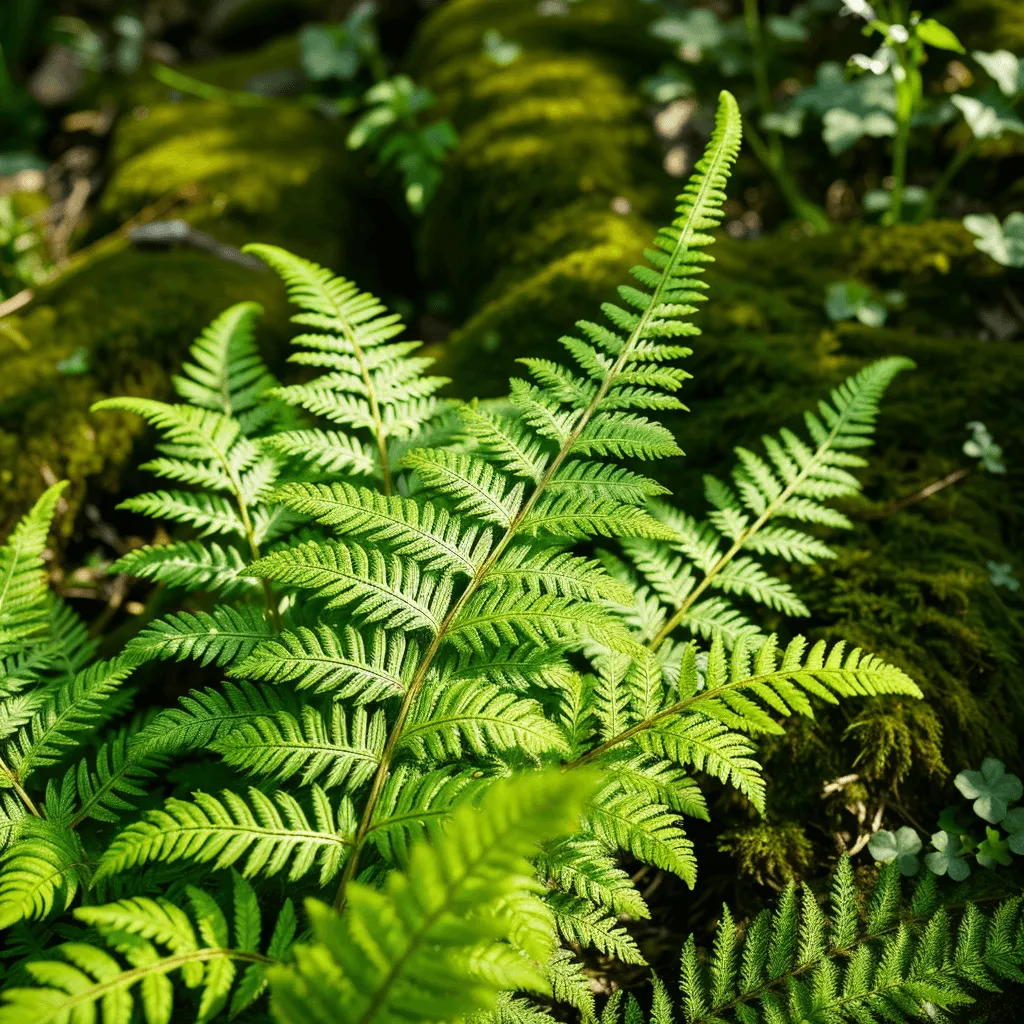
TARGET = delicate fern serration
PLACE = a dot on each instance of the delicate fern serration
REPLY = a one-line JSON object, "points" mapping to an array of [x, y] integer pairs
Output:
{"points": [[271, 833], [791, 482], [434, 943], [23, 591], [355, 341], [156, 938], [898, 964]]}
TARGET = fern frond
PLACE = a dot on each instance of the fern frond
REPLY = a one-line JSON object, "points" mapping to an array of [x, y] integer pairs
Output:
{"points": [[376, 386], [592, 927], [157, 939], [80, 704], [364, 665], [227, 372], [795, 964], [42, 868], [433, 944], [22, 583], [482, 719], [193, 564], [373, 586], [212, 638], [345, 749], [272, 833], [419, 531]]}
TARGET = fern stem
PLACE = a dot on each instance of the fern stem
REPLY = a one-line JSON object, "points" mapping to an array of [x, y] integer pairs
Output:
{"points": [[16, 786], [395, 735], [745, 536]]}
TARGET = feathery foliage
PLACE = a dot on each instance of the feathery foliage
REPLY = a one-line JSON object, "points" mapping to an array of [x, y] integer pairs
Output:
{"points": [[403, 606], [863, 957]]}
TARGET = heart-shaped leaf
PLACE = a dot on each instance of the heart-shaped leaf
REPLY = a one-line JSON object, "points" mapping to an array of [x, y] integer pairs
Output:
{"points": [[948, 857]]}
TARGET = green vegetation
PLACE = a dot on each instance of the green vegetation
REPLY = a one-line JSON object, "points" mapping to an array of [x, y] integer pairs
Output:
{"points": [[342, 678]]}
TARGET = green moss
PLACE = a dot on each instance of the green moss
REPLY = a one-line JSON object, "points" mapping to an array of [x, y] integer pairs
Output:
{"points": [[134, 315], [276, 174], [547, 143]]}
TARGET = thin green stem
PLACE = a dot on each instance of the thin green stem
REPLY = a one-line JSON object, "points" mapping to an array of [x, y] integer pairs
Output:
{"points": [[938, 190], [16, 786], [813, 215]]}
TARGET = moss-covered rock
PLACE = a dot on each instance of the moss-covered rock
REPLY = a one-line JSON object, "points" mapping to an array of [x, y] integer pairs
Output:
{"points": [[548, 143], [276, 173]]}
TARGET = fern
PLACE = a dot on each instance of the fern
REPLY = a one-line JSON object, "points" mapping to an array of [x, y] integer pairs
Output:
{"points": [[401, 599], [889, 962], [443, 939], [207, 949]]}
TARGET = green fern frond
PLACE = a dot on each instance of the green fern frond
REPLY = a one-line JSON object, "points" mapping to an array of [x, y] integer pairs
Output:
{"points": [[345, 749], [365, 665], [22, 583], [201, 945], [211, 638], [227, 372], [483, 719], [376, 387], [81, 704], [193, 564], [905, 963], [43, 868], [433, 943], [206, 714], [374, 587], [588, 926], [406, 527], [272, 833]]}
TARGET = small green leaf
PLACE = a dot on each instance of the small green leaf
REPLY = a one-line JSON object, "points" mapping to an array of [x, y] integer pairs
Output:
{"points": [[901, 846], [981, 446], [1003, 242], [948, 858], [1004, 68], [1013, 823], [994, 850], [991, 789], [935, 34]]}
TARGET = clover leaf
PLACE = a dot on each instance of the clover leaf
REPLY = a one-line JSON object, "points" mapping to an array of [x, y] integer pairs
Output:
{"points": [[948, 858], [1013, 823], [981, 446], [500, 50], [987, 116], [993, 850], [1000, 574], [849, 300], [1003, 242], [991, 789], [901, 846]]}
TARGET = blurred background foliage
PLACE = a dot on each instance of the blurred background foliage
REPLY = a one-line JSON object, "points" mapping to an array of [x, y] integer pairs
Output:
{"points": [[492, 168]]}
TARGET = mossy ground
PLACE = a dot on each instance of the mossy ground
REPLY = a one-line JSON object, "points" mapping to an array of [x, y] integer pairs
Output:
{"points": [[276, 173]]}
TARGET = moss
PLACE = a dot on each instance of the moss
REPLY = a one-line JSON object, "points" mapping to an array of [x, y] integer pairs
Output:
{"points": [[134, 314], [276, 174], [558, 129]]}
